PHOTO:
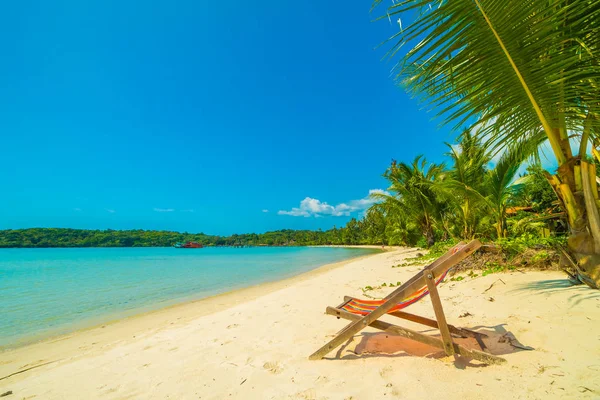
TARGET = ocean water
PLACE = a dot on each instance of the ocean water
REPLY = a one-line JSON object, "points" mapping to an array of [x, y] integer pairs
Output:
{"points": [[46, 292]]}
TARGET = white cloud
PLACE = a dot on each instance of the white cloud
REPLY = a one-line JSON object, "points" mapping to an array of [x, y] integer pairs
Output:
{"points": [[379, 191], [265, 211], [310, 207], [164, 209], [189, 210], [110, 210]]}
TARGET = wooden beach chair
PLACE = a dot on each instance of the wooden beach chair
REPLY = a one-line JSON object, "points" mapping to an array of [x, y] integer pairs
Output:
{"points": [[365, 313]]}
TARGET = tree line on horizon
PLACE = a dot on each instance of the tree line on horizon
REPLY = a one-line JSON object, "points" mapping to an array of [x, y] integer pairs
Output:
{"points": [[425, 203], [66, 237]]}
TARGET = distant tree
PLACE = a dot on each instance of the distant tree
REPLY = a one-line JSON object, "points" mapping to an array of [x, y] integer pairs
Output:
{"points": [[413, 194]]}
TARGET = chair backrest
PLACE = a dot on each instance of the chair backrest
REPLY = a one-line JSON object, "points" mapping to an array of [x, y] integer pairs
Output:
{"points": [[452, 257]]}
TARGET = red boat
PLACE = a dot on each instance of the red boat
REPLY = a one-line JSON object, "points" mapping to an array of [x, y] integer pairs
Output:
{"points": [[189, 245]]}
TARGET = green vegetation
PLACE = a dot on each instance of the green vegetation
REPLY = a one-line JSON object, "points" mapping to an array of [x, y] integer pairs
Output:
{"points": [[494, 268], [426, 205], [518, 75], [384, 284], [435, 206], [59, 237], [523, 242]]}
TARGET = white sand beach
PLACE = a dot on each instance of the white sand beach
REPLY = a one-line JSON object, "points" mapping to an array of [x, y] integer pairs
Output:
{"points": [[254, 344]]}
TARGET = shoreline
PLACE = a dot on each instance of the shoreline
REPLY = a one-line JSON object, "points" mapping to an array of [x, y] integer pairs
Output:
{"points": [[379, 247], [254, 343], [94, 322], [150, 321], [352, 246]]}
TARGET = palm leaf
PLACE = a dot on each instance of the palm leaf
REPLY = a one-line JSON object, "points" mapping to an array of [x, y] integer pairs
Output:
{"points": [[530, 66]]}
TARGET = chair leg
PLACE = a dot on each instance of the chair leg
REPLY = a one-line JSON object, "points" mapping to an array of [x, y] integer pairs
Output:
{"points": [[439, 314]]}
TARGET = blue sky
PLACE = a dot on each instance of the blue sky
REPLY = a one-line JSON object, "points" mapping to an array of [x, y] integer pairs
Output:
{"points": [[199, 116]]}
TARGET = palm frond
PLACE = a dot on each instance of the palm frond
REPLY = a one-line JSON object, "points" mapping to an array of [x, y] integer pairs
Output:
{"points": [[530, 66]]}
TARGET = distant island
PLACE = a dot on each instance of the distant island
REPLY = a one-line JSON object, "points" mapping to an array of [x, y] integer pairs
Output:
{"points": [[65, 237]]}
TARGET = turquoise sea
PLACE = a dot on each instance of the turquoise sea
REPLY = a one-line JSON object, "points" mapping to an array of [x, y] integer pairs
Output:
{"points": [[46, 292]]}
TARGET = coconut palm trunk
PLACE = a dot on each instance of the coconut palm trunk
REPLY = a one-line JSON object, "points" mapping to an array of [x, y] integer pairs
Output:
{"points": [[576, 187], [526, 71], [500, 225], [575, 181]]}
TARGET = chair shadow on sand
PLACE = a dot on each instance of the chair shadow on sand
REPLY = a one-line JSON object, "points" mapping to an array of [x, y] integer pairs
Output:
{"points": [[498, 342]]}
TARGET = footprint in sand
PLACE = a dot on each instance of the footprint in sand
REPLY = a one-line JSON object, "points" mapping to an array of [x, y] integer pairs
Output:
{"points": [[385, 371], [309, 394], [272, 367]]}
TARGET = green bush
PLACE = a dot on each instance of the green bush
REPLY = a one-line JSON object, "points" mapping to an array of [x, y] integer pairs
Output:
{"points": [[514, 246]]}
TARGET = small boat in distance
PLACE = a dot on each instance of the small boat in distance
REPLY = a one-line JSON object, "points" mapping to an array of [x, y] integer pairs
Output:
{"points": [[188, 245]]}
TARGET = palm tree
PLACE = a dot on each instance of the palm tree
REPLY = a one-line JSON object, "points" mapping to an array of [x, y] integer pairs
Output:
{"points": [[412, 194], [500, 186], [463, 186], [477, 194], [373, 225], [525, 71], [399, 229]]}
